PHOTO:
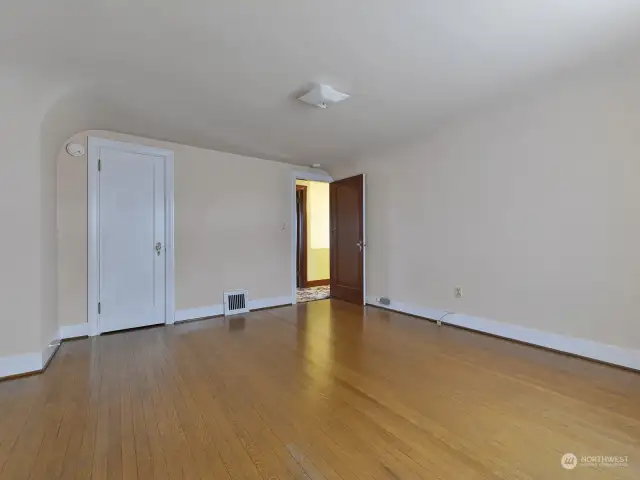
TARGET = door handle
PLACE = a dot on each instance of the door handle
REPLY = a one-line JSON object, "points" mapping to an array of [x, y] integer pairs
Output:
{"points": [[360, 244], [158, 248]]}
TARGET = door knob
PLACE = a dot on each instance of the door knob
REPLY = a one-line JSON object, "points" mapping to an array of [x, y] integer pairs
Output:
{"points": [[360, 244], [158, 248]]}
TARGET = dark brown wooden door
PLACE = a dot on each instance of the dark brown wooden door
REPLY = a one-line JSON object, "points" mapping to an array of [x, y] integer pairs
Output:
{"points": [[301, 236], [347, 239]]}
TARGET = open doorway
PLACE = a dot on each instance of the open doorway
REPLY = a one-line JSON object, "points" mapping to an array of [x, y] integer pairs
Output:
{"points": [[312, 241]]}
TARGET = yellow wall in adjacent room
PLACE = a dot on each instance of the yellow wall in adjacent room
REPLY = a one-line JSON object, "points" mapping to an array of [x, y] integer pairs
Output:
{"points": [[318, 236], [318, 264]]}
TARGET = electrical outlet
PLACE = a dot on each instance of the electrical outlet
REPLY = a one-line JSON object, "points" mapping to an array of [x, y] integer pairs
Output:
{"points": [[457, 292]]}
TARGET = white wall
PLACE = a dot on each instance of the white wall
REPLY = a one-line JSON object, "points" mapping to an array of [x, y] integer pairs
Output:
{"points": [[232, 226], [27, 215], [533, 208]]}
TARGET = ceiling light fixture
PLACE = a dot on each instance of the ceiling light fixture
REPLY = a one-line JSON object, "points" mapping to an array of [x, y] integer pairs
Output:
{"points": [[323, 96]]}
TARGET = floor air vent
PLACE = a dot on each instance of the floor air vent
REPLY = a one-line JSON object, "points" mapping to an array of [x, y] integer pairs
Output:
{"points": [[236, 302]]}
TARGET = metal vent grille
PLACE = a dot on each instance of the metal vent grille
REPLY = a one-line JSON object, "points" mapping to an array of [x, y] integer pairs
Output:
{"points": [[235, 302]]}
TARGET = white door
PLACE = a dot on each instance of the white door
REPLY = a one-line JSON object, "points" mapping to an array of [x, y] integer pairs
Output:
{"points": [[131, 230]]}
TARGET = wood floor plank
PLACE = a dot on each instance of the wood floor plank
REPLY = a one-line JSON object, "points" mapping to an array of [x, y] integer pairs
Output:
{"points": [[52, 451], [265, 449], [80, 463], [128, 452], [151, 417], [207, 462], [321, 391], [143, 460], [178, 460], [15, 415], [273, 355], [341, 423], [42, 422], [235, 447], [272, 404]]}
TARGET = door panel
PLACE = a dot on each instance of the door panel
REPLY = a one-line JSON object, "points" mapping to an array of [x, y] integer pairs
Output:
{"points": [[347, 239], [132, 274], [301, 242]]}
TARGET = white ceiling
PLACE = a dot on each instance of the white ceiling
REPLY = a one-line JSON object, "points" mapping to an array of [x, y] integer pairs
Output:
{"points": [[222, 73]]}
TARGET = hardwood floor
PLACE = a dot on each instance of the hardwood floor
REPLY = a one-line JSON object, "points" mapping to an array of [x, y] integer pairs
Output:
{"points": [[324, 390]]}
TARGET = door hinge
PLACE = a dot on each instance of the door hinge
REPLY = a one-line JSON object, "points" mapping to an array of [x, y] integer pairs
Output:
{"points": [[99, 308], [99, 165]]}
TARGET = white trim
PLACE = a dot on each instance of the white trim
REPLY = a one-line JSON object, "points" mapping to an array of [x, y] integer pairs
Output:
{"points": [[19, 364], [270, 302], [625, 357], [170, 287], [424, 312], [48, 351], [74, 331], [300, 175], [217, 310], [364, 239], [315, 176], [93, 146], [29, 362], [200, 312]]}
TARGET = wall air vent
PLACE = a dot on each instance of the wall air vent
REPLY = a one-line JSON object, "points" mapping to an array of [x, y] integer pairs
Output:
{"points": [[236, 302]]}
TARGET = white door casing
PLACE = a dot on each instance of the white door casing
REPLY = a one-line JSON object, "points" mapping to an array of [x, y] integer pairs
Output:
{"points": [[318, 176], [130, 214]]}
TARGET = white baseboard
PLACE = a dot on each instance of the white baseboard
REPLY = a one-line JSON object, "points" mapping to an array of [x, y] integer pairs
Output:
{"points": [[74, 331], [19, 364], [625, 357], [29, 362], [36, 361], [269, 302], [200, 312], [215, 310], [48, 352]]}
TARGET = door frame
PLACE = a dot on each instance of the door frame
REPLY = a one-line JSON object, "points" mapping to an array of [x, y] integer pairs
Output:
{"points": [[93, 215], [302, 243], [314, 176]]}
